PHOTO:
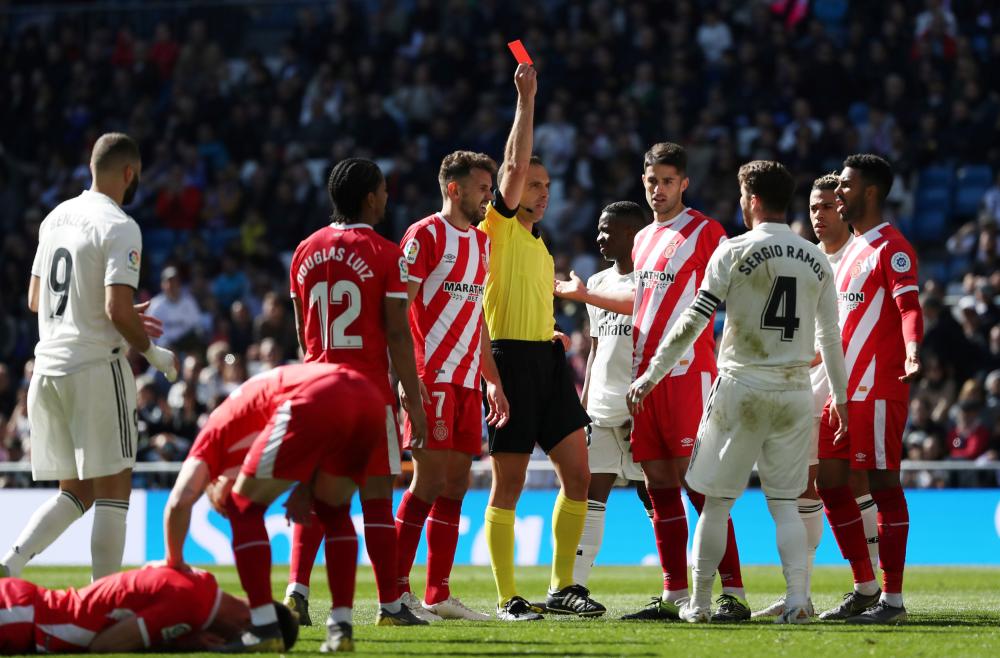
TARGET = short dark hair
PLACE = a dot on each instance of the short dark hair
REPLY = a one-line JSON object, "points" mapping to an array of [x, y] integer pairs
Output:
{"points": [[350, 181], [113, 150], [629, 212], [875, 170], [770, 181], [827, 182], [666, 153], [460, 164], [533, 160]]}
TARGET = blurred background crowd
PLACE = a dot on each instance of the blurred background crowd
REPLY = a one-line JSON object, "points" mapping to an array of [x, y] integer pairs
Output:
{"points": [[241, 108]]}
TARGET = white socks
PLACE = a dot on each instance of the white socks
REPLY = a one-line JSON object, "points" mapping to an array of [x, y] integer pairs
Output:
{"points": [[811, 513], [590, 542], [791, 535], [107, 539], [869, 517], [340, 615], [44, 527], [710, 538], [264, 615], [297, 588]]}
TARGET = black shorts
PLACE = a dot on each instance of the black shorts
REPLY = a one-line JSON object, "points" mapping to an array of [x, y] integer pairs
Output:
{"points": [[544, 405]]}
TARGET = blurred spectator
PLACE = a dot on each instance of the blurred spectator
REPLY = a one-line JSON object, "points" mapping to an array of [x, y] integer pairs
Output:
{"points": [[176, 309]]}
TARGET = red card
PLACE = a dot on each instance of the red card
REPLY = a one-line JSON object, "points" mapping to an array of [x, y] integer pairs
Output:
{"points": [[520, 54]]}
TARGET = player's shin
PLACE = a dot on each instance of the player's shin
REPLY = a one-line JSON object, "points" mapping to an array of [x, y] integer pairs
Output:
{"points": [[590, 541], [46, 524], [869, 518], [341, 556], [252, 552], [709, 546], [305, 546], [568, 518], [792, 547], [845, 521], [811, 513], [410, 518], [442, 540], [671, 531], [107, 538], [380, 542], [500, 542], [894, 527], [730, 572]]}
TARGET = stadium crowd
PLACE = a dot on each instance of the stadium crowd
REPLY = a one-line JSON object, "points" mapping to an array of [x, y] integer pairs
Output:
{"points": [[238, 133]]}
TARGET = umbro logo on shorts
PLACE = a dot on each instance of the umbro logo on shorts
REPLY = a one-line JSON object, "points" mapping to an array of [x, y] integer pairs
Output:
{"points": [[860, 456], [687, 442]]}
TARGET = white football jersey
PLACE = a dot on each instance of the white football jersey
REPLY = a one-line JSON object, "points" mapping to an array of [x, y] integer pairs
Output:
{"points": [[84, 244], [611, 371], [780, 300], [820, 382]]}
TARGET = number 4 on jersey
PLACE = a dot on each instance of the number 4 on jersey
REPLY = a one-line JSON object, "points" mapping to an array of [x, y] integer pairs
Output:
{"points": [[779, 312]]}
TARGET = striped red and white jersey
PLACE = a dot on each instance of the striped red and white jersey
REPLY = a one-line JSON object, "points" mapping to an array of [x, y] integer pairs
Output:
{"points": [[670, 259], [877, 267], [446, 318]]}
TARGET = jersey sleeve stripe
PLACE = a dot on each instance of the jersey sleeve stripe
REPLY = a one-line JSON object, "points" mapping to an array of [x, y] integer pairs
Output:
{"points": [[415, 279], [397, 295], [141, 623], [904, 290], [710, 296]]}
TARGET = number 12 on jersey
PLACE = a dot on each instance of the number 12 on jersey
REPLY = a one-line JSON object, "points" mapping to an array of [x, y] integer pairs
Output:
{"points": [[343, 302]]}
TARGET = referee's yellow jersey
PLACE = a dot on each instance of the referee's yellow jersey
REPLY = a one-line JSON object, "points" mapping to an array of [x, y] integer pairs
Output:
{"points": [[518, 301]]}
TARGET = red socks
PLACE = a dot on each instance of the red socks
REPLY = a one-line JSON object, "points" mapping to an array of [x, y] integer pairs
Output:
{"points": [[671, 530], [341, 551], [305, 545], [410, 517], [845, 520], [442, 538], [251, 548], [893, 528], [729, 567], [380, 540]]}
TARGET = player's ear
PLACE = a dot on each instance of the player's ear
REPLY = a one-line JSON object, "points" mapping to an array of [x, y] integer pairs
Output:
{"points": [[452, 188], [684, 183]]}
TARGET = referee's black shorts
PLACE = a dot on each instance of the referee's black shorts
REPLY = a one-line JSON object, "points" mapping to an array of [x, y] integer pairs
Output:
{"points": [[544, 406]]}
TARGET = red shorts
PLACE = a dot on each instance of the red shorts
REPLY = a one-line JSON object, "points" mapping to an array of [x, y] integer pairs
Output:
{"points": [[874, 435], [667, 426], [17, 616], [454, 420], [333, 425]]}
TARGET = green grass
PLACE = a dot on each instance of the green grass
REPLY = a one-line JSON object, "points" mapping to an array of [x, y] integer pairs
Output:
{"points": [[953, 612]]}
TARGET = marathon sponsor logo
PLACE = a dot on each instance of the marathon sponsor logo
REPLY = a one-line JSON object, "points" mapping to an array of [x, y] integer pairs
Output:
{"points": [[337, 254], [851, 300], [765, 254], [654, 278], [458, 290]]}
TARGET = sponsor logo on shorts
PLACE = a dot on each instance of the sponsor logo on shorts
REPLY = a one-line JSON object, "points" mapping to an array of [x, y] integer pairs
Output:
{"points": [[440, 430], [860, 456], [687, 442]]}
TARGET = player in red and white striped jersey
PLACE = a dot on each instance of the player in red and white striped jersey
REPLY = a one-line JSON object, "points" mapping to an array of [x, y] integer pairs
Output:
{"points": [[152, 607], [670, 257], [348, 285], [882, 327], [448, 258]]}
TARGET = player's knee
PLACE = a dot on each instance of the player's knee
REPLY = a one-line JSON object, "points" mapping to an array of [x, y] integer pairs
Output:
{"points": [[429, 485], [576, 483]]}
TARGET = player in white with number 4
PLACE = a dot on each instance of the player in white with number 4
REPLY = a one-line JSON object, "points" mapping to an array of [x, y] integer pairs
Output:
{"points": [[782, 302], [81, 400]]}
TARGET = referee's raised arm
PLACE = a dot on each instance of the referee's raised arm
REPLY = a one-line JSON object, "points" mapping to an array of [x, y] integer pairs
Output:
{"points": [[517, 152]]}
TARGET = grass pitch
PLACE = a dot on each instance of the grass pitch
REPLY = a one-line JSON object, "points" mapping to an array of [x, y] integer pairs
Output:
{"points": [[952, 612]]}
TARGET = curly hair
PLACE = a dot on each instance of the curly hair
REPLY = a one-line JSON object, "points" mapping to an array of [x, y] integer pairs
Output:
{"points": [[875, 170], [350, 181]]}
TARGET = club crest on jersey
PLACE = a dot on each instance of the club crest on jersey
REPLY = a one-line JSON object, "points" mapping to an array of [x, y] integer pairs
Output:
{"points": [[671, 249], [440, 430], [412, 250], [900, 262]]}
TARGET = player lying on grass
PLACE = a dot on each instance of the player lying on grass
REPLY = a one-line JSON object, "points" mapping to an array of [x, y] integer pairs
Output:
{"points": [[149, 608]]}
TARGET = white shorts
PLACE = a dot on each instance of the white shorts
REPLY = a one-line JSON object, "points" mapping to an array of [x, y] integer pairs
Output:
{"points": [[83, 425], [742, 425], [611, 452], [814, 446]]}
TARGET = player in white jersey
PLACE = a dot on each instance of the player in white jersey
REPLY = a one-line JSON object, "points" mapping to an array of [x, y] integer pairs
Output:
{"points": [[781, 303], [81, 400], [609, 372]]}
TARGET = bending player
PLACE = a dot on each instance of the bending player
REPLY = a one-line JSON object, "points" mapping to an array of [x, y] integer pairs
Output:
{"points": [[149, 608], [882, 327], [670, 257], [609, 372], [781, 302], [448, 258], [322, 435], [349, 289]]}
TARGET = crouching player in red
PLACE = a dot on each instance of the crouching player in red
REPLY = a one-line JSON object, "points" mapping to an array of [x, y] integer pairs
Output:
{"points": [[154, 607], [322, 436]]}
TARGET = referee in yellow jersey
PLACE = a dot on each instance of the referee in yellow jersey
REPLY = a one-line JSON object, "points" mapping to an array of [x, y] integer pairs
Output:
{"points": [[544, 407]]}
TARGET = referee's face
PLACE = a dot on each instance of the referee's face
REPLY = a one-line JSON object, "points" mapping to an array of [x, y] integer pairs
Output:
{"points": [[535, 198]]}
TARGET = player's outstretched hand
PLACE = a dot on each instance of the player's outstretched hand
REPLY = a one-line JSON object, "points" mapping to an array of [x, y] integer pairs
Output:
{"points": [[637, 392], [574, 289], [838, 413], [526, 80], [152, 325], [298, 506], [499, 407], [911, 366]]}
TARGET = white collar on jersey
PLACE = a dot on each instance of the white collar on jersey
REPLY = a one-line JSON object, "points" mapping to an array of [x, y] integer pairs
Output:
{"points": [[347, 226], [668, 222], [449, 226], [873, 232], [772, 226]]}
